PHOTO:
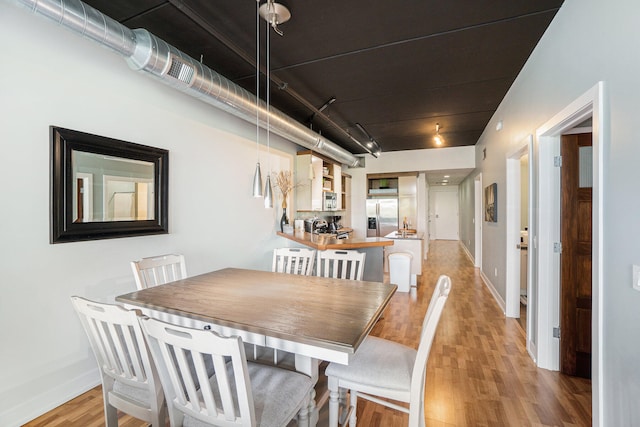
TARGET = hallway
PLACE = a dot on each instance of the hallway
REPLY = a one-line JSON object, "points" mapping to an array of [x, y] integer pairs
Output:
{"points": [[478, 374]]}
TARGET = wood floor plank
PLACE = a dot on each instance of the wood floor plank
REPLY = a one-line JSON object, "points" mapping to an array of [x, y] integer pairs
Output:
{"points": [[479, 372]]}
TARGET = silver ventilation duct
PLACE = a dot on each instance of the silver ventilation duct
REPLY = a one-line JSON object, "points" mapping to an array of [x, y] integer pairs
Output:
{"points": [[144, 51]]}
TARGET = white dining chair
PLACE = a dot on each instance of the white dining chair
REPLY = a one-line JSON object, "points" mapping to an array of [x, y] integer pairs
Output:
{"points": [[239, 393], [385, 369], [158, 270], [130, 381], [340, 264], [293, 261]]}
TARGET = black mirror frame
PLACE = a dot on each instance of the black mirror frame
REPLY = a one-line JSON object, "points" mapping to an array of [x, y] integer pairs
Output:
{"points": [[62, 227]]}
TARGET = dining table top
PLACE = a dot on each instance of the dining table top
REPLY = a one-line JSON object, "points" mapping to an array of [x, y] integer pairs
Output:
{"points": [[335, 314]]}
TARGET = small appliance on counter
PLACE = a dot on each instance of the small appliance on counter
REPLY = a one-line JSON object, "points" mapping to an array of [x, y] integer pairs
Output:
{"points": [[334, 223]]}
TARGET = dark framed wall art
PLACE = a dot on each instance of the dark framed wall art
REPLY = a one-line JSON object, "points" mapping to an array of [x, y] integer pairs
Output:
{"points": [[103, 188], [491, 203]]}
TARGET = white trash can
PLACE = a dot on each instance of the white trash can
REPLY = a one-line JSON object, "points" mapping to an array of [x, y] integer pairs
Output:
{"points": [[400, 270]]}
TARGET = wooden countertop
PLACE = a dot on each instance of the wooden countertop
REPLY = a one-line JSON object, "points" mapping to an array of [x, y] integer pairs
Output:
{"points": [[324, 313], [322, 243]]}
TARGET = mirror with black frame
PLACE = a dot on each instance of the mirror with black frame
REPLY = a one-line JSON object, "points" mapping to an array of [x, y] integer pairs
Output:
{"points": [[104, 188]]}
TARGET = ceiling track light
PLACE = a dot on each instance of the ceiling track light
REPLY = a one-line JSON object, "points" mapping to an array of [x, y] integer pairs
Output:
{"points": [[321, 109], [438, 139], [372, 145]]}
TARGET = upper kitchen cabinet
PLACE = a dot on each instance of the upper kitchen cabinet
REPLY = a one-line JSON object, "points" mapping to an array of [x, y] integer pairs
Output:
{"points": [[346, 200], [382, 185], [319, 181], [408, 200]]}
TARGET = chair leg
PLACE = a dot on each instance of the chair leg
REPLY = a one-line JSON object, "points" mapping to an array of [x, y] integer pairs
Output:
{"points": [[344, 409], [334, 403], [303, 414], [110, 412], [110, 416], [353, 397]]}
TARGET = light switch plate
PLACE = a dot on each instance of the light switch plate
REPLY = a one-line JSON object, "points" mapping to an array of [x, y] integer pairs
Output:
{"points": [[636, 277]]}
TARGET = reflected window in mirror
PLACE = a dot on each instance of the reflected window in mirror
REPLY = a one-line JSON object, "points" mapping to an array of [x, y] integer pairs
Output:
{"points": [[105, 188]]}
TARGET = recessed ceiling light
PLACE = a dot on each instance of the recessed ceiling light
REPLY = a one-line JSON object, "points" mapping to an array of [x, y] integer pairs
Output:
{"points": [[447, 176], [444, 183]]}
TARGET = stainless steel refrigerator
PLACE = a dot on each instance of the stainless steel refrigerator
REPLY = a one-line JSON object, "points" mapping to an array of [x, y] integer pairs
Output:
{"points": [[382, 217]]}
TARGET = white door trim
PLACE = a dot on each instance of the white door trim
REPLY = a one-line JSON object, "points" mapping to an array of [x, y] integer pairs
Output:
{"points": [[512, 274], [590, 104], [478, 221]]}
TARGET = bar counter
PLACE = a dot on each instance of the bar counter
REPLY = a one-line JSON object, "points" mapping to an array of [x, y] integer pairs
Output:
{"points": [[372, 246], [323, 242]]}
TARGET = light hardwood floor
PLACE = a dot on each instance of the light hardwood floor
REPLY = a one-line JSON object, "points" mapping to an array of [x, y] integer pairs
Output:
{"points": [[479, 373]]}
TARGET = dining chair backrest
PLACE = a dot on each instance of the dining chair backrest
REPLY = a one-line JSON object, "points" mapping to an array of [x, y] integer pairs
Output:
{"points": [[386, 372], [130, 381], [429, 326], [293, 261], [158, 270], [236, 393], [340, 264]]}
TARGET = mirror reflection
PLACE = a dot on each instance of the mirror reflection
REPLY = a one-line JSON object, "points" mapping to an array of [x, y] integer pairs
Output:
{"points": [[108, 188]]}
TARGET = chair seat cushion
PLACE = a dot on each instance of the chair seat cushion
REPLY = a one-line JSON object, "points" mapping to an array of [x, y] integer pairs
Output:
{"points": [[380, 363], [277, 394], [138, 395]]}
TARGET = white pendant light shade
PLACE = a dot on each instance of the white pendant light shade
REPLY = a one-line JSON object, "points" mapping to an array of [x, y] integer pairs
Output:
{"points": [[257, 182], [268, 193]]}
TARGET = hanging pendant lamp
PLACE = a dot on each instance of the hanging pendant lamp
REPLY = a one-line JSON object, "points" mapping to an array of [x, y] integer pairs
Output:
{"points": [[268, 193], [257, 175], [257, 182]]}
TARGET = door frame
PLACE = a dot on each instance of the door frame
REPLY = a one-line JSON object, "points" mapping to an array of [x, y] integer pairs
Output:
{"points": [[450, 190], [477, 182], [590, 104], [513, 226]]}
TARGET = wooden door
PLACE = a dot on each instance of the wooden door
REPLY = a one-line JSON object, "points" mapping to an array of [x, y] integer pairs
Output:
{"points": [[576, 230]]}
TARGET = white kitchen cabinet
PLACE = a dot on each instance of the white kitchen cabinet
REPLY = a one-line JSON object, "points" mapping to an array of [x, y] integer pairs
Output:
{"points": [[314, 176], [408, 200], [309, 180]]}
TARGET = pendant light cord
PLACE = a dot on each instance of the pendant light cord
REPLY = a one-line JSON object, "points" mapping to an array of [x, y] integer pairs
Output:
{"points": [[268, 89], [258, 79]]}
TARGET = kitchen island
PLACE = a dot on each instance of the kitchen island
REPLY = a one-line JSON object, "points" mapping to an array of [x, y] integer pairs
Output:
{"points": [[372, 246]]}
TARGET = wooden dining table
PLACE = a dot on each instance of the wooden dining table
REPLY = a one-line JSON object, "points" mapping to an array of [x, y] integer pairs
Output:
{"points": [[315, 318]]}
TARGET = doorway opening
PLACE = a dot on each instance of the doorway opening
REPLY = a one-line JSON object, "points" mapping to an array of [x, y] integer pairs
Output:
{"points": [[589, 105], [519, 206]]}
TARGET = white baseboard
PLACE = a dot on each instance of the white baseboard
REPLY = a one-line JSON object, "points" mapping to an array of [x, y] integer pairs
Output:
{"points": [[492, 289], [466, 251], [48, 399]]}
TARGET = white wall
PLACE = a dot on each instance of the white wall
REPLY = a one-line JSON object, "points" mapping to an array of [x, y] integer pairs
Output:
{"points": [[53, 77], [588, 41]]}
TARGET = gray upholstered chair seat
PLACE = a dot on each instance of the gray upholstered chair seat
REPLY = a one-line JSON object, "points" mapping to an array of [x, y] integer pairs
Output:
{"points": [[387, 372], [378, 362], [274, 395]]}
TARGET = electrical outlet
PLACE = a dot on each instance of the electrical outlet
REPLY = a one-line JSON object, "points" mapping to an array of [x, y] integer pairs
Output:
{"points": [[636, 277], [495, 271]]}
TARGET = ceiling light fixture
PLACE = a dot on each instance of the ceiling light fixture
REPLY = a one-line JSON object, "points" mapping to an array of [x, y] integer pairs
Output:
{"points": [[372, 144], [438, 139], [275, 14]]}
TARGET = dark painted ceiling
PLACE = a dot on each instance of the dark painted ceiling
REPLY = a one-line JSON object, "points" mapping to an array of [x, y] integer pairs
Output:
{"points": [[395, 67]]}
